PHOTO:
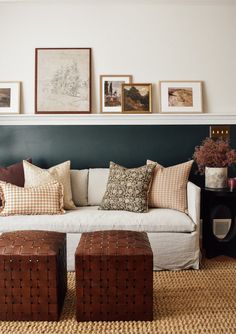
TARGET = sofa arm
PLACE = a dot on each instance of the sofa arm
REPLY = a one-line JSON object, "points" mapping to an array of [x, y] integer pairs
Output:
{"points": [[193, 200]]}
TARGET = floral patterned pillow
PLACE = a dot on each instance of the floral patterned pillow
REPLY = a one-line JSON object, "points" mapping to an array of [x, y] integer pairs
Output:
{"points": [[127, 189]]}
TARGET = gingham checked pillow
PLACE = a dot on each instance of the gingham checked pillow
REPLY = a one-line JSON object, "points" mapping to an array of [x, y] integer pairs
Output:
{"points": [[169, 186], [43, 200]]}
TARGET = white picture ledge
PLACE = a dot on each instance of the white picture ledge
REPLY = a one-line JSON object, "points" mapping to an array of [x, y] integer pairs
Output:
{"points": [[101, 119]]}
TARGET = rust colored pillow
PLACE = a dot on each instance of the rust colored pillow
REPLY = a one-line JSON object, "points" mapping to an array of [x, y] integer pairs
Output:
{"points": [[13, 174]]}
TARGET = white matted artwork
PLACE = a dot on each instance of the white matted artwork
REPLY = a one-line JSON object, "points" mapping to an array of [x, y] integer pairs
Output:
{"points": [[111, 92], [62, 80], [181, 96], [9, 97]]}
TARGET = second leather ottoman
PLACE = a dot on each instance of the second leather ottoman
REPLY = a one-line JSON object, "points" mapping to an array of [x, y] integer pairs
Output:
{"points": [[114, 276]]}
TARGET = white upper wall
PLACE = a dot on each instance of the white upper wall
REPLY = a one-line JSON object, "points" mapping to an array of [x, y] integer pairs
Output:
{"points": [[152, 40]]}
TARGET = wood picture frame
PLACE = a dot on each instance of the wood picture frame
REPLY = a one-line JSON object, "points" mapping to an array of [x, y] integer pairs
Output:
{"points": [[62, 80], [111, 92], [181, 97], [137, 98], [9, 97]]}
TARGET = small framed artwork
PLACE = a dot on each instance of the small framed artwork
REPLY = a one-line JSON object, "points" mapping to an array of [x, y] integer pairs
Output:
{"points": [[137, 98], [181, 96], [62, 80], [111, 92], [9, 97]]}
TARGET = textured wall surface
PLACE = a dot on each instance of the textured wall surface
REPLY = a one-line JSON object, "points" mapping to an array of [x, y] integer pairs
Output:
{"points": [[152, 40]]}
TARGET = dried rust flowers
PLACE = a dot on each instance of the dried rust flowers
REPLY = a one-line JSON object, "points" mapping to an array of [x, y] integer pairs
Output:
{"points": [[214, 153]]}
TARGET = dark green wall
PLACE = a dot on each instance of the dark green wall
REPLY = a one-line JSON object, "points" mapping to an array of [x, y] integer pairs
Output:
{"points": [[94, 146]]}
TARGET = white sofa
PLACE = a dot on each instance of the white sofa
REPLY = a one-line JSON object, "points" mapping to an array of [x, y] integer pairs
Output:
{"points": [[174, 236]]}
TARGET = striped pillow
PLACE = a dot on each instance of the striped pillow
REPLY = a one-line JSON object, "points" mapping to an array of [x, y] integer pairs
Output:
{"points": [[43, 200], [169, 186]]}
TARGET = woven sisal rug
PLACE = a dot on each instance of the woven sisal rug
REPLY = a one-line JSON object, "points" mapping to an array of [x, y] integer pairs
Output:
{"points": [[187, 301]]}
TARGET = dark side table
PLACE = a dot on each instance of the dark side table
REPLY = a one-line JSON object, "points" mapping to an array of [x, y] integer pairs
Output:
{"points": [[211, 201]]}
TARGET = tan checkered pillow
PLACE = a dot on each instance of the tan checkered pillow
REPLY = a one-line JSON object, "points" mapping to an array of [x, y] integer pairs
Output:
{"points": [[43, 200], [169, 186]]}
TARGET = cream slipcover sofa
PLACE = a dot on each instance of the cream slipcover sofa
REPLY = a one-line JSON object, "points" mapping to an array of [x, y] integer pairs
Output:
{"points": [[174, 236]]}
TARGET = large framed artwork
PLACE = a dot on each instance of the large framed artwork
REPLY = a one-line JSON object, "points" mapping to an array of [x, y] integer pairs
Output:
{"points": [[137, 98], [111, 92], [181, 96], [9, 97], [62, 80]]}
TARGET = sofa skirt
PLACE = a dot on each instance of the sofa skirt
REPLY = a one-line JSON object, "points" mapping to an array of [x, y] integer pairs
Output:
{"points": [[171, 251]]}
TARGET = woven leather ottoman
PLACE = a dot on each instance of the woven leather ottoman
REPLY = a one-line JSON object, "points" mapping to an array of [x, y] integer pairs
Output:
{"points": [[114, 276], [33, 273]]}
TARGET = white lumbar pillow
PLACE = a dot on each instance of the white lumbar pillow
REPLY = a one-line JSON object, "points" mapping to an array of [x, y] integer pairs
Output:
{"points": [[97, 184], [35, 176]]}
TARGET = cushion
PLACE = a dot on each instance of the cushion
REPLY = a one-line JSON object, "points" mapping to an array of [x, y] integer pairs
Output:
{"points": [[35, 176], [127, 189], [169, 186], [89, 218], [13, 174], [97, 184], [46, 199], [79, 186]]}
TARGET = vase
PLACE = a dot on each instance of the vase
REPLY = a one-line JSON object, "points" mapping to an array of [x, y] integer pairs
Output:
{"points": [[216, 177]]}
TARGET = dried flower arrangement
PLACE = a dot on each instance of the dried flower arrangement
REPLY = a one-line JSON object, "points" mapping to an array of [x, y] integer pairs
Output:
{"points": [[214, 153]]}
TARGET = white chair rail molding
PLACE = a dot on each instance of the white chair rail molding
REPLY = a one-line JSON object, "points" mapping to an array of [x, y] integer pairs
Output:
{"points": [[121, 119]]}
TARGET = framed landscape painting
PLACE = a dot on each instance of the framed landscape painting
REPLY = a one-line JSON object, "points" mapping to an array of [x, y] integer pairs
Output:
{"points": [[62, 80], [181, 96], [111, 92], [137, 98], [9, 97]]}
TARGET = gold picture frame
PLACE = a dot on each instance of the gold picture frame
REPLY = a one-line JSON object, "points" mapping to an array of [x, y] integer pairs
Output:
{"points": [[111, 92], [137, 101]]}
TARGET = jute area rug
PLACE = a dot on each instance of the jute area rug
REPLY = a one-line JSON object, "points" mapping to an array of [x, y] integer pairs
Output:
{"points": [[187, 301]]}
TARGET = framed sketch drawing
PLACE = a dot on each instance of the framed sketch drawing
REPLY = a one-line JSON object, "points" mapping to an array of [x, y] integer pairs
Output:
{"points": [[137, 98], [181, 96], [111, 92], [9, 97], [62, 80]]}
